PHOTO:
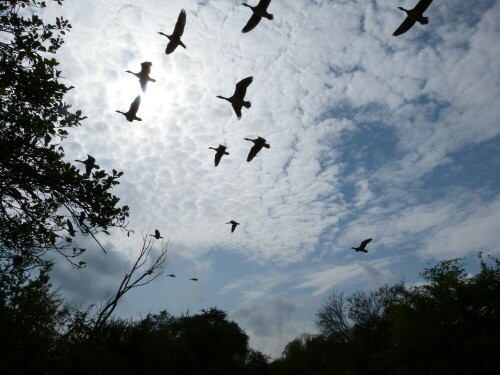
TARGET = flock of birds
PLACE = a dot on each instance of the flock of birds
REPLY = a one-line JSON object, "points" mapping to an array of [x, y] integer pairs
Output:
{"points": [[237, 100]]}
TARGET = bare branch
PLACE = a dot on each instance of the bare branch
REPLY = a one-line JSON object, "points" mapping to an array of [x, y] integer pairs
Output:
{"points": [[144, 270]]}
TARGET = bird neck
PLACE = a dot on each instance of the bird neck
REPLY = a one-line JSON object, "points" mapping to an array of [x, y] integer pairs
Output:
{"points": [[223, 97]]}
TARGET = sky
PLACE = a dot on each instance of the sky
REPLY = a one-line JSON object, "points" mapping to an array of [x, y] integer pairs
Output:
{"points": [[372, 136]]}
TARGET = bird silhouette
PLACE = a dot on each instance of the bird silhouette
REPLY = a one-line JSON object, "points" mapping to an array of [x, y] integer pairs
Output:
{"points": [[257, 146], [156, 235], [194, 279], [71, 230], [414, 15], [221, 150], [175, 38], [89, 164], [234, 224], [131, 115], [239, 94], [171, 275], [143, 75], [259, 11], [362, 246]]}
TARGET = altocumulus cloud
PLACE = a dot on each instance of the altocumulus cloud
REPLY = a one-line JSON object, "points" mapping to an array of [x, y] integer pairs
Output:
{"points": [[369, 136]]}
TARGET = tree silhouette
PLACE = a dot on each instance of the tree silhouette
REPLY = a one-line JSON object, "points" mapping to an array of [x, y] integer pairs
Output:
{"points": [[39, 191]]}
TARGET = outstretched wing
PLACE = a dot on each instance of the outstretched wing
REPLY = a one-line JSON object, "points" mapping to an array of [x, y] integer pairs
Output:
{"points": [[134, 107], [146, 67], [365, 242], [263, 4], [253, 151], [241, 88], [404, 27], [237, 110], [252, 22], [179, 26], [218, 156], [171, 46], [422, 6]]}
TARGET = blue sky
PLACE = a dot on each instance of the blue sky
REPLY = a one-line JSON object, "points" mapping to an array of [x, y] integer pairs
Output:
{"points": [[371, 136]]}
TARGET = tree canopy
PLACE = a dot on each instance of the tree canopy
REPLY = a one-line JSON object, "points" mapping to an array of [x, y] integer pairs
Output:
{"points": [[42, 196]]}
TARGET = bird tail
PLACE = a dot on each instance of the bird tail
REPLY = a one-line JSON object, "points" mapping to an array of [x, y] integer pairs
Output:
{"points": [[270, 17], [425, 21], [247, 104]]}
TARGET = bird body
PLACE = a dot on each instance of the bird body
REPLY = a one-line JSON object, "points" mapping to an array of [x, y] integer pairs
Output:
{"points": [[234, 224], [89, 164], [156, 235], [220, 151], [131, 115], [175, 38], [412, 16], [237, 100], [194, 279], [258, 143], [362, 246], [143, 75], [71, 230], [259, 11]]}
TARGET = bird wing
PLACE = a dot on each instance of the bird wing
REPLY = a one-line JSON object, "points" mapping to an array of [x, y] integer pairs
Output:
{"points": [[146, 68], [253, 151], [237, 110], [144, 84], [422, 6], [179, 26], [90, 159], [241, 87], [171, 46], [365, 242], [263, 4], [218, 156], [252, 22], [404, 27], [134, 107]]}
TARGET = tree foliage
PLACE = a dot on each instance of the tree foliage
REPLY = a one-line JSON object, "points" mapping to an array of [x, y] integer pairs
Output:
{"points": [[39, 190]]}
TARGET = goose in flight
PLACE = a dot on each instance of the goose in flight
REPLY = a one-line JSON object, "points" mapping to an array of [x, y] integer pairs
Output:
{"points": [[362, 246], [89, 164], [239, 94], [156, 235], [234, 224], [259, 11], [194, 279], [413, 15], [71, 230], [257, 146], [131, 115], [175, 38], [143, 75], [221, 150]]}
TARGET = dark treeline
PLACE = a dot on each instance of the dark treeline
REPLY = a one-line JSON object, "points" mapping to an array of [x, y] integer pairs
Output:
{"points": [[449, 325]]}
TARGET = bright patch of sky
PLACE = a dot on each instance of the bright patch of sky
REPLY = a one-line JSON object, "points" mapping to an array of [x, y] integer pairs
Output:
{"points": [[371, 136]]}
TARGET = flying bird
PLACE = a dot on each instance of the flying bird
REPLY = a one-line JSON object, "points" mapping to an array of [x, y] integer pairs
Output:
{"points": [[234, 224], [221, 150], [143, 75], [71, 230], [194, 279], [414, 15], [257, 146], [156, 235], [362, 246], [131, 115], [259, 11], [239, 94], [175, 38], [171, 275], [89, 164]]}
